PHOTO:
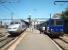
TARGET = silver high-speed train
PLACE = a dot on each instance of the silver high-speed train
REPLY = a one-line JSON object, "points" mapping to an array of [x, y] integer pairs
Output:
{"points": [[16, 27]]}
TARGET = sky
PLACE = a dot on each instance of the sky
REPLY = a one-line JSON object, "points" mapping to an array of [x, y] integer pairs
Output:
{"points": [[35, 8]]}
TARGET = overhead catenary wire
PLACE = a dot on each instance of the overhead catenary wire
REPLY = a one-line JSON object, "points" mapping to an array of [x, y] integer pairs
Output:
{"points": [[63, 1], [4, 2]]}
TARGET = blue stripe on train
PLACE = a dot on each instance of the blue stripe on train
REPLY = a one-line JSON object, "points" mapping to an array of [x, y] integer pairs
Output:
{"points": [[56, 28]]}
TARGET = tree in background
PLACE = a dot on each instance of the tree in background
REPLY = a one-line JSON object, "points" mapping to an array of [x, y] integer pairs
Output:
{"points": [[64, 16]]}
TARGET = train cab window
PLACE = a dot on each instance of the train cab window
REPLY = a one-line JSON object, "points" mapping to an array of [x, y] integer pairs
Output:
{"points": [[15, 23], [11, 23], [55, 22], [59, 22]]}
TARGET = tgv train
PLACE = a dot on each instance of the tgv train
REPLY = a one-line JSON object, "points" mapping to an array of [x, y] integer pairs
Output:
{"points": [[16, 27], [53, 27]]}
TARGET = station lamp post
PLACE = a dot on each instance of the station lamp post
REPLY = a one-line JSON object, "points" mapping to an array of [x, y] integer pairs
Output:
{"points": [[29, 19]]}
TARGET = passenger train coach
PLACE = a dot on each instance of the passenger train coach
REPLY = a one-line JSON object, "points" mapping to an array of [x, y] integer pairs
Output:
{"points": [[16, 27]]}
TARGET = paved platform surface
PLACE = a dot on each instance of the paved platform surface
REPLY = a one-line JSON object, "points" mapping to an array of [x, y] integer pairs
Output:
{"points": [[36, 41]]}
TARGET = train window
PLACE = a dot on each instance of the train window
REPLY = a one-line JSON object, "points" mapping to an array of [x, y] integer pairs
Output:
{"points": [[59, 22], [15, 23], [12, 23]]}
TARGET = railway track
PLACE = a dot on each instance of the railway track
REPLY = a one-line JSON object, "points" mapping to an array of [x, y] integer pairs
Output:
{"points": [[65, 39], [5, 38], [8, 40], [62, 42], [5, 41]]}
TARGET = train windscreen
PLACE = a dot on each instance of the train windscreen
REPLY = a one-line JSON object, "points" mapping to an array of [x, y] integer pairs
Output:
{"points": [[15, 23], [60, 22], [55, 22]]}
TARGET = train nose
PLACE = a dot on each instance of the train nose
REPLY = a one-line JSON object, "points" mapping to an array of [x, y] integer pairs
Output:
{"points": [[13, 27]]}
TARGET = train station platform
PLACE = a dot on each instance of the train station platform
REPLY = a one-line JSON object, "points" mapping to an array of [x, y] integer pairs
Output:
{"points": [[36, 41]]}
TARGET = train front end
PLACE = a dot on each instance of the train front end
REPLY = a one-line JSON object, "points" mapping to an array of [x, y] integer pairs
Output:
{"points": [[14, 28], [55, 28]]}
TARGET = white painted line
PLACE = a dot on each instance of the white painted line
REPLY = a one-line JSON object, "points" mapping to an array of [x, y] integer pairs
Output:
{"points": [[55, 44]]}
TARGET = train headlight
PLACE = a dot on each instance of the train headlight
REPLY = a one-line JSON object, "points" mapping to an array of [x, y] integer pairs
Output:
{"points": [[47, 28], [15, 28], [51, 29], [62, 30]]}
